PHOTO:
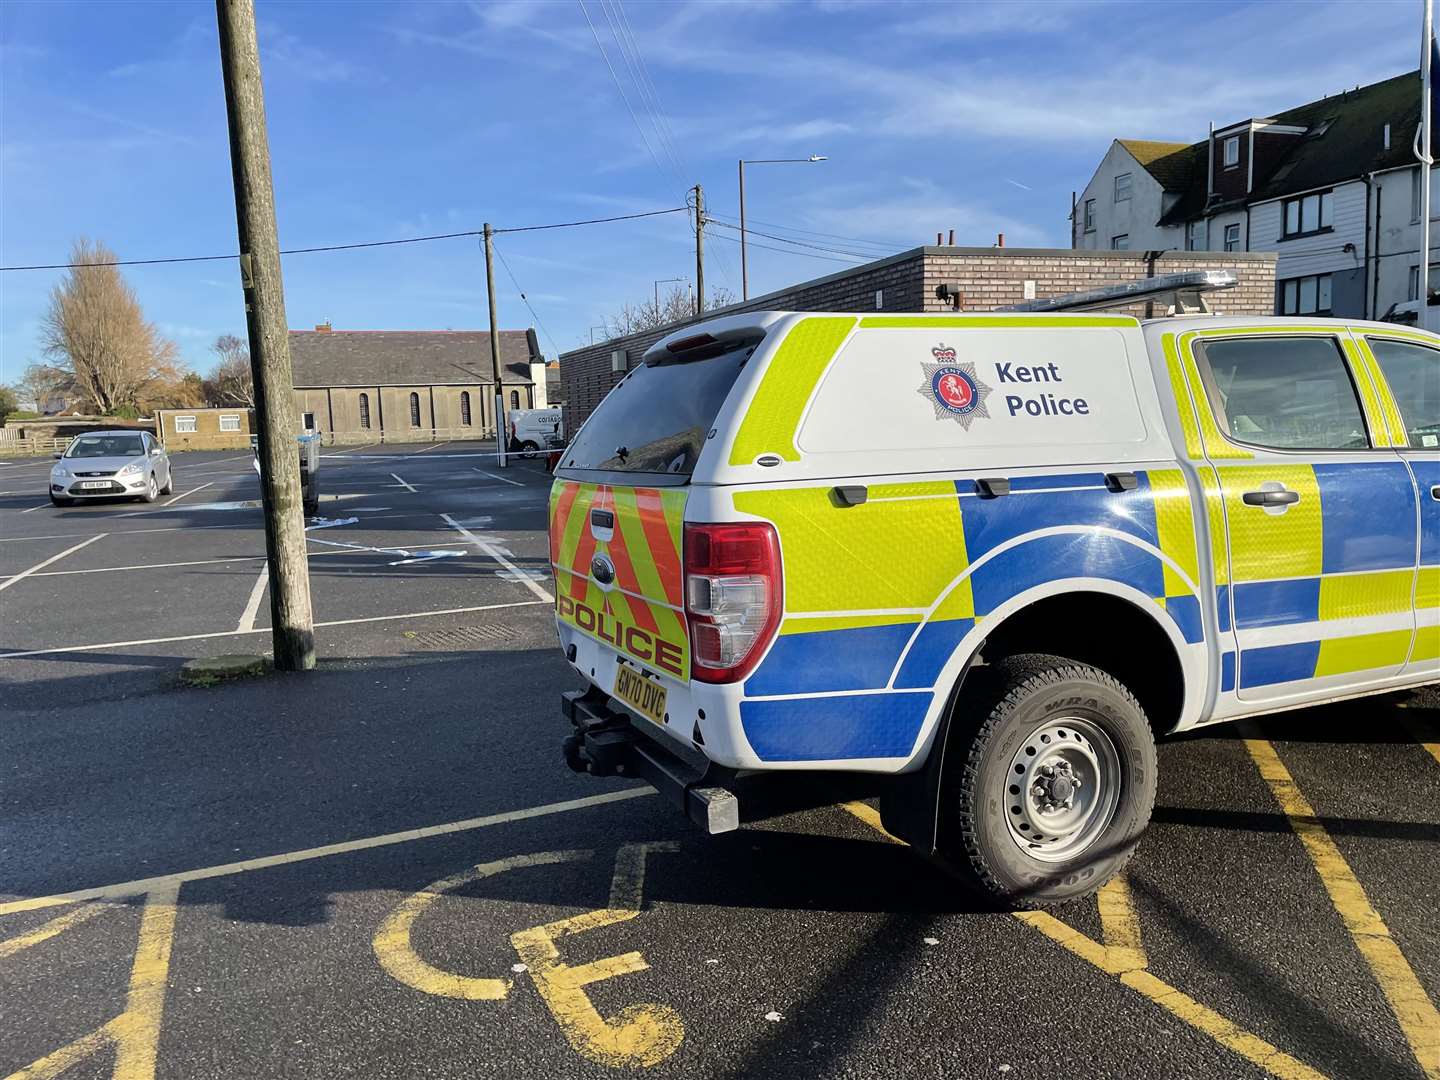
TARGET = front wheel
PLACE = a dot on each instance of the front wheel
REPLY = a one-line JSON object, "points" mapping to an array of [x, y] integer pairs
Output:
{"points": [[152, 490], [529, 446], [1052, 771]]}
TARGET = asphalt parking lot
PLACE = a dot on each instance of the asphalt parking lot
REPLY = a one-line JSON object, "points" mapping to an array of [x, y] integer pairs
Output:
{"points": [[381, 868]]}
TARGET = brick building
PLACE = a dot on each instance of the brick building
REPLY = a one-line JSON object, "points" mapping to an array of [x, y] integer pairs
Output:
{"points": [[205, 429], [987, 278], [363, 386]]}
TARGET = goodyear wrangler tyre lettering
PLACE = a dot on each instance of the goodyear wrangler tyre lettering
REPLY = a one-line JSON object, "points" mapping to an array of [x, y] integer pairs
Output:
{"points": [[1013, 772]]}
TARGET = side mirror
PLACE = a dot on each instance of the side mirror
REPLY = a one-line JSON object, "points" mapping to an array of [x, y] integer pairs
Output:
{"points": [[57, 457], [156, 451]]}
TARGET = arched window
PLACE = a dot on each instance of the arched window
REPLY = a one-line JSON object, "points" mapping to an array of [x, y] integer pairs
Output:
{"points": [[465, 408], [364, 411], [514, 399], [414, 410]]}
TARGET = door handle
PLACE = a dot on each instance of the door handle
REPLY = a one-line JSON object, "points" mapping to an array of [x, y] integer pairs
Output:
{"points": [[1435, 492], [1270, 498], [851, 494]]}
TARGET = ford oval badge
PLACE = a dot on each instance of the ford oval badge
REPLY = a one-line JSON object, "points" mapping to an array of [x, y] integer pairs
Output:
{"points": [[602, 570]]}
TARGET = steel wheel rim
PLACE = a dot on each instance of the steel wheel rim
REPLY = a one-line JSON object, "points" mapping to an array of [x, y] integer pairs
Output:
{"points": [[1062, 789]]}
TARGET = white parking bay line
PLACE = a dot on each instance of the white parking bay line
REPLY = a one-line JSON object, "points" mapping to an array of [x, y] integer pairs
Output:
{"points": [[403, 484], [252, 606], [499, 556], [32, 509], [266, 629], [429, 448], [492, 476], [53, 558], [192, 491], [424, 832]]}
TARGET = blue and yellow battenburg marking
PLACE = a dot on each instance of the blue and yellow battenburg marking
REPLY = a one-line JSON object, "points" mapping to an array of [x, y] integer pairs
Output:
{"points": [[878, 596]]}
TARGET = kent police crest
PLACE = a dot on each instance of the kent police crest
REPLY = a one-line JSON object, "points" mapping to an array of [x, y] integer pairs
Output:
{"points": [[953, 388]]}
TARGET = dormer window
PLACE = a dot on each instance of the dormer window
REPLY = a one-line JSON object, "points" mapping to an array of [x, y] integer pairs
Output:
{"points": [[1231, 151]]}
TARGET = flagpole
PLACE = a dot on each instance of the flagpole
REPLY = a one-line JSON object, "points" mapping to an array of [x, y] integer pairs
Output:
{"points": [[1425, 165]]}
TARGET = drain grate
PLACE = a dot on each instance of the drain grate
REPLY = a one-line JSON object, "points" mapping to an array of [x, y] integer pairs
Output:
{"points": [[458, 636]]}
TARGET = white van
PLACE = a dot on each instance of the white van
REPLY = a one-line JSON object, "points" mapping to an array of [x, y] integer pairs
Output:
{"points": [[537, 429]]}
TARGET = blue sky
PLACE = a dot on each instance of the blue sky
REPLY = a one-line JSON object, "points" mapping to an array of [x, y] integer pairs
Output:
{"points": [[393, 120]]}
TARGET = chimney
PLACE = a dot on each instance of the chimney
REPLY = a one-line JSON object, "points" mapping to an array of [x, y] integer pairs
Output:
{"points": [[323, 327], [939, 239], [1000, 240], [952, 237]]}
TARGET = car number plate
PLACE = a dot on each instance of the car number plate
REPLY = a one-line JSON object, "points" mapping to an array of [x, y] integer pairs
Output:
{"points": [[645, 696], [94, 483]]}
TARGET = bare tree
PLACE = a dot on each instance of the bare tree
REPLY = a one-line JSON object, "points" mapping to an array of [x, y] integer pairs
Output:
{"points": [[96, 333], [231, 382], [676, 305], [41, 382]]}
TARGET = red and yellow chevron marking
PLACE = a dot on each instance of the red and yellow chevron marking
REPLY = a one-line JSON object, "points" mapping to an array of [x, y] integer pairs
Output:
{"points": [[642, 614]]}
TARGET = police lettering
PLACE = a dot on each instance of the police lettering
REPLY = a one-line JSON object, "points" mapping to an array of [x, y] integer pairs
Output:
{"points": [[1047, 405], [635, 640], [1038, 373]]}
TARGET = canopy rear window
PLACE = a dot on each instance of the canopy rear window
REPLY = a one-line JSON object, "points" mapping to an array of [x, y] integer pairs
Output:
{"points": [[657, 419]]}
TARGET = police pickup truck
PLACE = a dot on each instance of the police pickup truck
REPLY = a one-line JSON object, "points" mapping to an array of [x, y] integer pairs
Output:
{"points": [[992, 556]]}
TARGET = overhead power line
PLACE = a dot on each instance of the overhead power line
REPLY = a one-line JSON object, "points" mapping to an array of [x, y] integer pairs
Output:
{"points": [[525, 299], [797, 243], [811, 234], [639, 127], [353, 247], [849, 260]]}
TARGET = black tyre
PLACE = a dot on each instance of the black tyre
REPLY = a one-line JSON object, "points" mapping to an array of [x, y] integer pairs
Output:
{"points": [[1051, 771], [60, 500], [152, 490], [169, 488], [529, 446]]}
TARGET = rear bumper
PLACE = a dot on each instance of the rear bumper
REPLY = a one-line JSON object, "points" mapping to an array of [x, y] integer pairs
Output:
{"points": [[606, 743]]}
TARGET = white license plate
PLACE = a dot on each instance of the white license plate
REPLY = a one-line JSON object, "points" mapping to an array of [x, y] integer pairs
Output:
{"points": [[94, 483], [645, 696]]}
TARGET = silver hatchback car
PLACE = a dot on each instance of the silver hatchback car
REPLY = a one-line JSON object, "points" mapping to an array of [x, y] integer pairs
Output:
{"points": [[104, 464]]}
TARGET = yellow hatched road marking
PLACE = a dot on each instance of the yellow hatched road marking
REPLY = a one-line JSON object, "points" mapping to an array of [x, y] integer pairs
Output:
{"points": [[1123, 956], [1429, 740], [1413, 1009], [46, 931], [135, 1033]]}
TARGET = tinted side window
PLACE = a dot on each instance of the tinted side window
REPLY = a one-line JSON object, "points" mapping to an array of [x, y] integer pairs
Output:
{"points": [[1286, 393], [1413, 372]]}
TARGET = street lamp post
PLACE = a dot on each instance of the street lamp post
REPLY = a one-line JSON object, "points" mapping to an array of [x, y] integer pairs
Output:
{"points": [[744, 270], [658, 283]]}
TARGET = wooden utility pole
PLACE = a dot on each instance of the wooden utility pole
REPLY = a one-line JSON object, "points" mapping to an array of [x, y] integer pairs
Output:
{"points": [[500, 428], [699, 249], [290, 616]]}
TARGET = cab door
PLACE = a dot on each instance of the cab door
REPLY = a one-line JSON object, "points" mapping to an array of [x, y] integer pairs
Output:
{"points": [[1408, 372], [1320, 517]]}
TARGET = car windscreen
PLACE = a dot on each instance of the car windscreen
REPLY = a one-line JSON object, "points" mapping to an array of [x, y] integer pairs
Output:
{"points": [[657, 419], [106, 446]]}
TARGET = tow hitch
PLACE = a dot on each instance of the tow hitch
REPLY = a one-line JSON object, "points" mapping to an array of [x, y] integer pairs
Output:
{"points": [[606, 743]]}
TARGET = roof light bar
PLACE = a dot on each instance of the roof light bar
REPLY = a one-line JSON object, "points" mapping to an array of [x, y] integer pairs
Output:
{"points": [[1181, 293]]}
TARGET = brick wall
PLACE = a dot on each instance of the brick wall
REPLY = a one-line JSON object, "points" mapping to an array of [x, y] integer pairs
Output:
{"points": [[989, 278]]}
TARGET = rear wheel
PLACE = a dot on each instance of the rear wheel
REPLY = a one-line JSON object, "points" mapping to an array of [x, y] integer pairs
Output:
{"points": [[529, 445], [1051, 781]]}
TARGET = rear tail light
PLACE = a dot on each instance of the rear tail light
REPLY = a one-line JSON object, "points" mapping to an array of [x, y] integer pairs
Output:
{"points": [[733, 597]]}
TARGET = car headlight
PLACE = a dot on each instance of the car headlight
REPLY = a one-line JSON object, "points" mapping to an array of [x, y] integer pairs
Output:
{"points": [[133, 469], [59, 472]]}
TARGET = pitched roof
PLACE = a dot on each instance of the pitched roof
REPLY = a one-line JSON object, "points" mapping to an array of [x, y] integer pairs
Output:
{"points": [[1171, 163], [405, 357], [1351, 144]]}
